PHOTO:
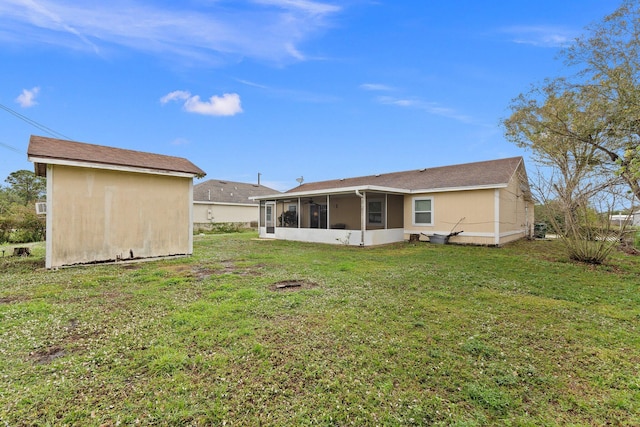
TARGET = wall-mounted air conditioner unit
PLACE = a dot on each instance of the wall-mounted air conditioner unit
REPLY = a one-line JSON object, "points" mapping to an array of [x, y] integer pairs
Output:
{"points": [[41, 208]]}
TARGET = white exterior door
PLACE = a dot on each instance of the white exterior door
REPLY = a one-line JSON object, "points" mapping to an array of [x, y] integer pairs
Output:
{"points": [[269, 217]]}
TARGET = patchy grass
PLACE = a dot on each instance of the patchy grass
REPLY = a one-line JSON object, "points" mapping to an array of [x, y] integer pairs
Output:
{"points": [[250, 332]]}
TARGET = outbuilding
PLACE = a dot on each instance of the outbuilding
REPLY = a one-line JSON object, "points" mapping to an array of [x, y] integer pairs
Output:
{"points": [[111, 204]]}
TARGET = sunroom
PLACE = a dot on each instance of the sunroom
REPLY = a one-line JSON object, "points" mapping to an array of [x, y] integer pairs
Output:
{"points": [[357, 216]]}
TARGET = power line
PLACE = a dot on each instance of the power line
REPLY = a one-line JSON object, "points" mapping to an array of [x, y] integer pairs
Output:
{"points": [[11, 147], [32, 122]]}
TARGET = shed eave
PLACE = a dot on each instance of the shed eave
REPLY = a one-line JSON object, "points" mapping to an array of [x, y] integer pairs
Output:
{"points": [[81, 164]]}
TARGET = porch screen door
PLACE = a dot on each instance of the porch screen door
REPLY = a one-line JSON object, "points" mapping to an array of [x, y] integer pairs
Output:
{"points": [[269, 219]]}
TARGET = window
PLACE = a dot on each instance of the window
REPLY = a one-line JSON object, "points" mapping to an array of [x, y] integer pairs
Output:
{"points": [[375, 212], [423, 211]]}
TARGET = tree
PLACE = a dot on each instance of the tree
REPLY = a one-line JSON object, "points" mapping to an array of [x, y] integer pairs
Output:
{"points": [[26, 186], [585, 129], [608, 59], [573, 184]]}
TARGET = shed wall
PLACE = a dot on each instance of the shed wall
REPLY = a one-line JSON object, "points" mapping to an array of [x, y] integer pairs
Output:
{"points": [[101, 215]]}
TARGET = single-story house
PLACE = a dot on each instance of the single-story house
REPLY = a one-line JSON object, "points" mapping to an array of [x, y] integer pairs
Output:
{"points": [[632, 219], [219, 201], [110, 204], [486, 203]]}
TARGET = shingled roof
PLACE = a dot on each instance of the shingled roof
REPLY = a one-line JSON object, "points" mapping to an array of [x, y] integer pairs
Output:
{"points": [[44, 150], [490, 173], [219, 191]]}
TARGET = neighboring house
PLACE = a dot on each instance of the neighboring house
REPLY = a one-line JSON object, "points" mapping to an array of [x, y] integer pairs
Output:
{"points": [[110, 204], [488, 202], [626, 220], [218, 201]]}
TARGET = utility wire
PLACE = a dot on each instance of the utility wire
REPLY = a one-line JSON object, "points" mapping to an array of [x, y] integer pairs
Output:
{"points": [[10, 147], [32, 122]]}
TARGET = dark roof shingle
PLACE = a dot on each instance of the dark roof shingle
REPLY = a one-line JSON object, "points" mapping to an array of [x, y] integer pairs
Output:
{"points": [[478, 174], [214, 190], [60, 149]]}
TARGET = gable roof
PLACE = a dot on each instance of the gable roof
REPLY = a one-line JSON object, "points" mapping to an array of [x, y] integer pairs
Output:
{"points": [[43, 150], [219, 191], [486, 174]]}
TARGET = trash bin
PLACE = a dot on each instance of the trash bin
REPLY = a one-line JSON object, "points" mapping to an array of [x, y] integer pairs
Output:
{"points": [[439, 239], [540, 230]]}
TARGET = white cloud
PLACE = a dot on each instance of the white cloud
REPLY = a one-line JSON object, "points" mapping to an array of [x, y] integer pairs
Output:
{"points": [[540, 35], [375, 87], [176, 95], [180, 141], [306, 6], [28, 97], [226, 105], [429, 107], [269, 30]]}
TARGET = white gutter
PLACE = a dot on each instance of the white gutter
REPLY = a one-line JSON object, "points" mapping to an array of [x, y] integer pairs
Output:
{"points": [[375, 188]]}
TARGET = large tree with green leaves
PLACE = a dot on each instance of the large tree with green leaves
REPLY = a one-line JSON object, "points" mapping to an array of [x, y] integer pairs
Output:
{"points": [[26, 186], [600, 100], [585, 130], [608, 60]]}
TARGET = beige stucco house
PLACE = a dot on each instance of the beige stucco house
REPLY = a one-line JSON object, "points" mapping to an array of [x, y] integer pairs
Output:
{"points": [[110, 204], [486, 203], [219, 201]]}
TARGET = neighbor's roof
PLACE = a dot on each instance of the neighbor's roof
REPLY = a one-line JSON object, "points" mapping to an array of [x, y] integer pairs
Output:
{"points": [[492, 173], [43, 150], [219, 191]]}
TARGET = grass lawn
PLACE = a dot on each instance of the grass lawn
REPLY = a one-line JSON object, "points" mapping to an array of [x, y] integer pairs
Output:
{"points": [[406, 334]]}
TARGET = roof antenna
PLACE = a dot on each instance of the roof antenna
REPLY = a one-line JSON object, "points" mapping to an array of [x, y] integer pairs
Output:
{"points": [[300, 180]]}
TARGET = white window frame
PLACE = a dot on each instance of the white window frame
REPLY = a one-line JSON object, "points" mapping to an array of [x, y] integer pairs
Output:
{"points": [[413, 211], [382, 205]]}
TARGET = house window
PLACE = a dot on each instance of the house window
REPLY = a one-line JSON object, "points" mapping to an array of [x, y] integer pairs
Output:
{"points": [[423, 211], [375, 212]]}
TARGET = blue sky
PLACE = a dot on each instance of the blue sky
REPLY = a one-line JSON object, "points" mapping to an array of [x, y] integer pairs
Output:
{"points": [[285, 88]]}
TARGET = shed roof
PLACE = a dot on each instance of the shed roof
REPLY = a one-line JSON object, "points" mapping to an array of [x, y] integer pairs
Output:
{"points": [[221, 191], [469, 175], [45, 150]]}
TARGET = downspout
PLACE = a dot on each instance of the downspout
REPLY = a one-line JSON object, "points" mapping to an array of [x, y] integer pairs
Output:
{"points": [[496, 216], [363, 215], [328, 212]]}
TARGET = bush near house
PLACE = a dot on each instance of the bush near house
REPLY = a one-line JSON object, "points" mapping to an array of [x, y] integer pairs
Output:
{"points": [[219, 228], [277, 333], [21, 224]]}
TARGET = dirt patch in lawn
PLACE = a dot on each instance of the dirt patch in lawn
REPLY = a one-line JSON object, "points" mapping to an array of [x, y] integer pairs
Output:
{"points": [[10, 299], [47, 355], [229, 267], [292, 285]]}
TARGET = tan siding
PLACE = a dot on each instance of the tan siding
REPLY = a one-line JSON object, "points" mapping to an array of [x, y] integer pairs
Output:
{"points": [[476, 207], [516, 214], [346, 210], [99, 215], [224, 213]]}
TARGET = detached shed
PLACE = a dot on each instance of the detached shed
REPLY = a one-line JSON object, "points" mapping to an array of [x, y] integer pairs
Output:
{"points": [[110, 204]]}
